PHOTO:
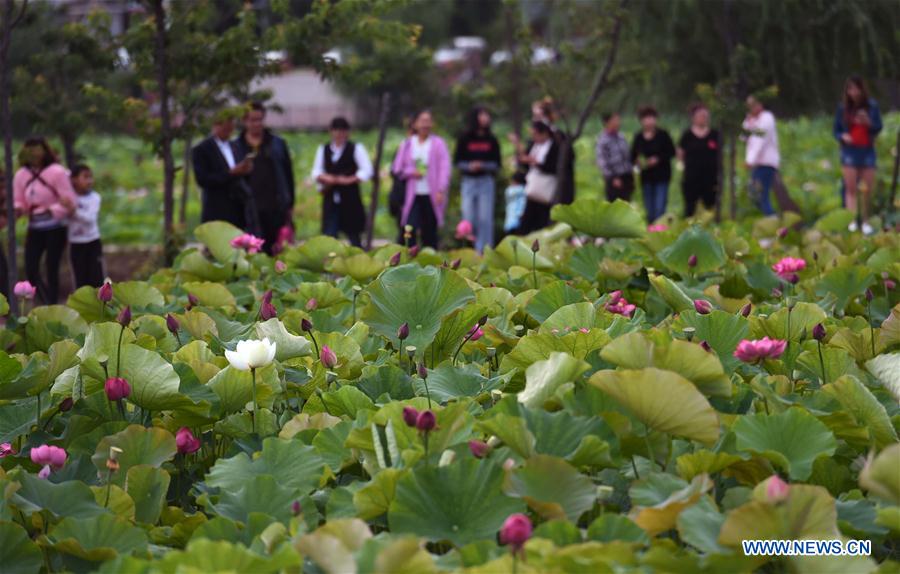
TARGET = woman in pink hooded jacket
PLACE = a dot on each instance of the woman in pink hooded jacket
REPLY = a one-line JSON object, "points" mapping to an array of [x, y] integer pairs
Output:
{"points": [[424, 161], [43, 192]]}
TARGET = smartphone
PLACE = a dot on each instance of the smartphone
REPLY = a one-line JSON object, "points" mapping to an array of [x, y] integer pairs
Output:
{"points": [[251, 155]]}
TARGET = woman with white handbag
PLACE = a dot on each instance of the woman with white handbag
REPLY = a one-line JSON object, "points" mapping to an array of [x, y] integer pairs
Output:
{"points": [[540, 183]]}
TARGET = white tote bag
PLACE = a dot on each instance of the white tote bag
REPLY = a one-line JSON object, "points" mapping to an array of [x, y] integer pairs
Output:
{"points": [[540, 186]]}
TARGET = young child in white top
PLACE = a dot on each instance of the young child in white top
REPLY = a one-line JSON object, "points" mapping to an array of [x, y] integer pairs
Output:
{"points": [[85, 248]]}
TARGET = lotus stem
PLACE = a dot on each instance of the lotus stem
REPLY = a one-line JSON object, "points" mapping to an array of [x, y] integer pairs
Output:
{"points": [[649, 448], [39, 408], [515, 563], [469, 335], [425, 441], [534, 268], [121, 408], [108, 487], [871, 327], [119, 351], [822, 364], [634, 467], [316, 344], [427, 393], [253, 414]]}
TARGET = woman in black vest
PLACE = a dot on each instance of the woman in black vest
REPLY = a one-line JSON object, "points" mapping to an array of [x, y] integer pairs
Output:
{"points": [[339, 167]]}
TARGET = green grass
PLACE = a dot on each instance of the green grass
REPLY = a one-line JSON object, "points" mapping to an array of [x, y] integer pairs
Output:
{"points": [[129, 177]]}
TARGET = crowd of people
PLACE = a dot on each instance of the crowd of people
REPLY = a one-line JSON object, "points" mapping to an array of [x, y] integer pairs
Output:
{"points": [[249, 180]]}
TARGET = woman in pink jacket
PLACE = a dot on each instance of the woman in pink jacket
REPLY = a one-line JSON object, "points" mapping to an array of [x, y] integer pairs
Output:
{"points": [[424, 161], [43, 192]]}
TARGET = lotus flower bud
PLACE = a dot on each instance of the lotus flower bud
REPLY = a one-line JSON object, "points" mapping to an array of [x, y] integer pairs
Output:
{"points": [[746, 309], [7, 449], [116, 388], [819, 332], [483, 320], [267, 311], [410, 416], [421, 370], [395, 259], [869, 295], [328, 357], [478, 448], [105, 292], [124, 317], [793, 278], [692, 261], [782, 232], [535, 246], [702, 306], [413, 251], [455, 263], [192, 301], [280, 267], [516, 531], [777, 490], [24, 290], [172, 324], [296, 509], [306, 325], [186, 442], [890, 284], [403, 331], [705, 346], [426, 421], [66, 405], [311, 304]]}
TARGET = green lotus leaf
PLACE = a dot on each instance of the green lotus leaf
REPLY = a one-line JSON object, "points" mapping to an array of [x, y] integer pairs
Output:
{"points": [[550, 298], [374, 498], [98, 538], [804, 317], [419, 296], [461, 503], [447, 383], [553, 488], [699, 526], [880, 476], [864, 407], [4, 305], [671, 293], [690, 360], [599, 218], [835, 221], [115, 499], [361, 266], [154, 382], [516, 251], [71, 498], [137, 294], [454, 328], [325, 294], [395, 554], [147, 486], [543, 378], [193, 266], [21, 380], [210, 294], [844, 283], [561, 532], [50, 323], [513, 431], [198, 324], [235, 388], [612, 527], [663, 515], [84, 300], [693, 241], [792, 439], [217, 236], [315, 252], [386, 380], [349, 356], [722, 331], [261, 493], [570, 318], [662, 400], [345, 401], [16, 418], [18, 554], [200, 359], [294, 465], [808, 512], [889, 335], [539, 346], [332, 547], [140, 446], [102, 340], [886, 368], [859, 518], [329, 443], [221, 556], [704, 462], [287, 345]]}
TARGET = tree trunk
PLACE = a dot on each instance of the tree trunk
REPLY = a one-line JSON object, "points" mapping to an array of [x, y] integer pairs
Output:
{"points": [[515, 100], [185, 180], [732, 183], [68, 142], [165, 135], [376, 171], [9, 21]]}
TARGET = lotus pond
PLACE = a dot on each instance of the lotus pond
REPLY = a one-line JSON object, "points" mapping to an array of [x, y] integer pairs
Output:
{"points": [[596, 397]]}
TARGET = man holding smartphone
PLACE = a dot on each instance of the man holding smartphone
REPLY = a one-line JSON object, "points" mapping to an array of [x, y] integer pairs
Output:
{"points": [[271, 181]]}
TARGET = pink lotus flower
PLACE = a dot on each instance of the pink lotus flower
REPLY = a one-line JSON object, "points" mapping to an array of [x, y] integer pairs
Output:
{"points": [[702, 306], [618, 305], [788, 266], [476, 332], [172, 324], [186, 442], [328, 357], [614, 297], [777, 490], [6, 449], [116, 388], [584, 330], [280, 266], [516, 531], [248, 242], [657, 228], [410, 416], [49, 455], [890, 284], [479, 448], [105, 292], [753, 351], [24, 290], [311, 304], [296, 509], [464, 230], [426, 421]]}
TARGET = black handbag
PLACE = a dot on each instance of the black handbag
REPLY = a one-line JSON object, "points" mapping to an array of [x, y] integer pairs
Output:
{"points": [[397, 196]]}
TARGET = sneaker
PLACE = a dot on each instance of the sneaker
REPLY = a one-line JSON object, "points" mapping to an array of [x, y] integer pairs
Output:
{"points": [[867, 229], [853, 227]]}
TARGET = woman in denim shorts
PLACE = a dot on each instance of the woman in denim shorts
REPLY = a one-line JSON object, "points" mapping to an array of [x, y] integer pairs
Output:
{"points": [[857, 123]]}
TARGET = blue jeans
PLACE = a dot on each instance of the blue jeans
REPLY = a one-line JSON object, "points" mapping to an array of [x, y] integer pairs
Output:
{"points": [[478, 208], [762, 177], [656, 195]]}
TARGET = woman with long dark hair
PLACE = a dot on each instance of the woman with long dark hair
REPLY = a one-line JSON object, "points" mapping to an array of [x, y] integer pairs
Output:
{"points": [[857, 123], [701, 151], [43, 192], [424, 161], [541, 157], [477, 156]]}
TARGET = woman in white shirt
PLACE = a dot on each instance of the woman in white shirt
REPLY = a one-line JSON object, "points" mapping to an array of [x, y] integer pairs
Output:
{"points": [[541, 157], [762, 157]]}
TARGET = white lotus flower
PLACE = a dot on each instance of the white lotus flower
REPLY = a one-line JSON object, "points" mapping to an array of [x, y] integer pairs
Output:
{"points": [[251, 354]]}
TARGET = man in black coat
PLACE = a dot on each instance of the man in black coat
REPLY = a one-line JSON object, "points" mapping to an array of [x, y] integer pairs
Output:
{"points": [[221, 177]]}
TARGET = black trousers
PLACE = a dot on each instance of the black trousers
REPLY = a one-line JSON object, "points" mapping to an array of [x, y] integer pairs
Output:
{"points": [[87, 263], [624, 192], [48, 244], [695, 191], [536, 216], [423, 221], [270, 223]]}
